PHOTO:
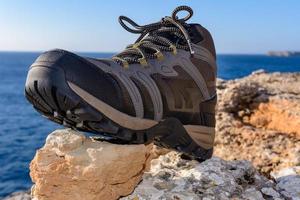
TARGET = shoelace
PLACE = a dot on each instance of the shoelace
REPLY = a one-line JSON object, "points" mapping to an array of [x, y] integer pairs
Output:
{"points": [[155, 38]]}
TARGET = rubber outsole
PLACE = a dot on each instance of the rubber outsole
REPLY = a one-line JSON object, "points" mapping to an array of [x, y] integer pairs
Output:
{"points": [[47, 90]]}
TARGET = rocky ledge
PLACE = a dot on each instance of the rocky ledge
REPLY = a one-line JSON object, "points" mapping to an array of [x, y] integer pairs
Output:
{"points": [[73, 166], [258, 119], [257, 154], [173, 178]]}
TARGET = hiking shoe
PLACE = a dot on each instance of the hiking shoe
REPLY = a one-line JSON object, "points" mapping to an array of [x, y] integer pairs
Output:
{"points": [[162, 88]]}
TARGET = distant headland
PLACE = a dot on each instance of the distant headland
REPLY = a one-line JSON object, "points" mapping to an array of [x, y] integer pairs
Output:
{"points": [[284, 53]]}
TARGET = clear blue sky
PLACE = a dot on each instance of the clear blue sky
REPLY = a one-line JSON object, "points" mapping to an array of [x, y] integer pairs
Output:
{"points": [[238, 26]]}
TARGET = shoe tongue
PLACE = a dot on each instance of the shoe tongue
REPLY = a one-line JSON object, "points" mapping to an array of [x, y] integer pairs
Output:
{"points": [[194, 33]]}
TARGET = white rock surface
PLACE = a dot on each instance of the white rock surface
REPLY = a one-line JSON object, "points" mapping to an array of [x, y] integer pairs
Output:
{"points": [[270, 192], [288, 182], [19, 196], [171, 178]]}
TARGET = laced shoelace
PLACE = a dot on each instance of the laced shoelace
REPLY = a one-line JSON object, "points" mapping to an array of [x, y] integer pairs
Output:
{"points": [[169, 34]]}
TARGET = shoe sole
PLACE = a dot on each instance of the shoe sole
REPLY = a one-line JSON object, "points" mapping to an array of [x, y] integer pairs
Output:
{"points": [[66, 103]]}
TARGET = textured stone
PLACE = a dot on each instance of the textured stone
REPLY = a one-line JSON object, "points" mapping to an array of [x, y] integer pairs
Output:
{"points": [[252, 194], [258, 119], [72, 166], [270, 192], [288, 182], [289, 186], [287, 172], [279, 115], [19, 196], [171, 177]]}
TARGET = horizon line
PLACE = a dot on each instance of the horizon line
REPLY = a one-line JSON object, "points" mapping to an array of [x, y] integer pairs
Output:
{"points": [[109, 52]]}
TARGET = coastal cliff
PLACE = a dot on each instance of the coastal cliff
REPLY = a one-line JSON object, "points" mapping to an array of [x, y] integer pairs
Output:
{"points": [[283, 53], [257, 154]]}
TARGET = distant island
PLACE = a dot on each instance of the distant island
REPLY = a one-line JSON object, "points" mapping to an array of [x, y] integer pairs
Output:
{"points": [[284, 53]]}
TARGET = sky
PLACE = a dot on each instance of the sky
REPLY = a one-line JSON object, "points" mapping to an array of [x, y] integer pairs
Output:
{"points": [[238, 26]]}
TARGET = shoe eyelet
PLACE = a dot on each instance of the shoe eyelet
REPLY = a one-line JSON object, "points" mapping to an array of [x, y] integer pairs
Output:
{"points": [[143, 62], [159, 56], [174, 49]]}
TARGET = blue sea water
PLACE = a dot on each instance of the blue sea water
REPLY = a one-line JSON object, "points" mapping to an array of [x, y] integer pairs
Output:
{"points": [[23, 130]]}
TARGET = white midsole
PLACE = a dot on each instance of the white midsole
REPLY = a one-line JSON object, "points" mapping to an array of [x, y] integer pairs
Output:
{"points": [[202, 135]]}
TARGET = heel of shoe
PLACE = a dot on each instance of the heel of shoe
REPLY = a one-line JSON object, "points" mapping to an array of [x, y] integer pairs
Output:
{"points": [[202, 135], [207, 110], [194, 140], [170, 133]]}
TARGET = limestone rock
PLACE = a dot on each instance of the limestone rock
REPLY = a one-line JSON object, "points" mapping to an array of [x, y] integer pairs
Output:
{"points": [[25, 195], [158, 151], [289, 186], [270, 192], [288, 182], [258, 119], [171, 177], [73, 166]]}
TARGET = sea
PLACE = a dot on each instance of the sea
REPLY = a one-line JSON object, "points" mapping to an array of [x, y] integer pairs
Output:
{"points": [[23, 130]]}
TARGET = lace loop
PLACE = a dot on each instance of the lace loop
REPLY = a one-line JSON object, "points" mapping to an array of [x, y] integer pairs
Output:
{"points": [[182, 8], [169, 34], [138, 28]]}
